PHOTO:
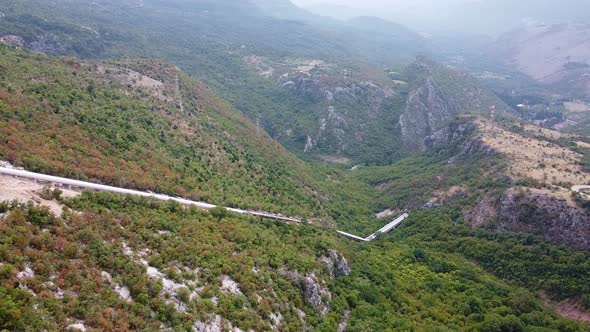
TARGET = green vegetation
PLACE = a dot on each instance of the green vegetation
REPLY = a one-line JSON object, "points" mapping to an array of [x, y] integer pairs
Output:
{"points": [[410, 283], [407, 182], [74, 119], [412, 182], [524, 259], [127, 263], [65, 39], [208, 41], [435, 274]]}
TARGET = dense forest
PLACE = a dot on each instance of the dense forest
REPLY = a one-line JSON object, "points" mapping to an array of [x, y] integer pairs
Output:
{"points": [[256, 105], [95, 121], [421, 278], [210, 43]]}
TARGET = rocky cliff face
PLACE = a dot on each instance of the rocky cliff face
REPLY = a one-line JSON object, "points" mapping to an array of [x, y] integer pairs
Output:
{"points": [[459, 139], [49, 37], [314, 291], [546, 215], [313, 287], [354, 113], [538, 212], [336, 264], [334, 114], [42, 43], [519, 209], [346, 108], [440, 94]]}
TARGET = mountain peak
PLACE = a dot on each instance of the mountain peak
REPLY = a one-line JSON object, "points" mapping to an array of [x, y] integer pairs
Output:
{"points": [[439, 95]]}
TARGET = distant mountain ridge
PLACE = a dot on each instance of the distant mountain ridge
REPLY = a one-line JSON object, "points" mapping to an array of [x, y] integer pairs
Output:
{"points": [[460, 16], [284, 9], [551, 54]]}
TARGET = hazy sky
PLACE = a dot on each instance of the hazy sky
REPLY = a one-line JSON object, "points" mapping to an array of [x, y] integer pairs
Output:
{"points": [[382, 3], [388, 6], [481, 16], [418, 13]]}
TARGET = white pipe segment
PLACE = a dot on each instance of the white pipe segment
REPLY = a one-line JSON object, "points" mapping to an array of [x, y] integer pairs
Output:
{"points": [[100, 187], [384, 230]]}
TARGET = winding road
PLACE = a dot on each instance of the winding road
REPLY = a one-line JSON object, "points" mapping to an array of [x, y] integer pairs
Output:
{"points": [[100, 187]]}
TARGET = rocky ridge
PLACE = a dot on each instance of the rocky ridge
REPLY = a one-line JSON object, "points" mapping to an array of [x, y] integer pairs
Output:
{"points": [[547, 210], [537, 212], [438, 96], [338, 112], [459, 139]]}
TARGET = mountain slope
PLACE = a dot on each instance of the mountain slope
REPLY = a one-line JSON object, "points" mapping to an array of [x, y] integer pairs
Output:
{"points": [[144, 124], [501, 175], [208, 40], [108, 262], [121, 263], [440, 94], [556, 55]]}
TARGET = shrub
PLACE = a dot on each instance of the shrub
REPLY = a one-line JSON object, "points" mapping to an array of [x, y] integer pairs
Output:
{"points": [[183, 294], [46, 193], [56, 194], [219, 212]]}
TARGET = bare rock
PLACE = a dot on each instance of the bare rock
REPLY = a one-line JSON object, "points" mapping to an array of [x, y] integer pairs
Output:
{"points": [[276, 320], [307, 87], [344, 322], [13, 41], [484, 212], [214, 325], [336, 264], [48, 44], [459, 139], [433, 203], [313, 292], [229, 285], [439, 96], [547, 215]]}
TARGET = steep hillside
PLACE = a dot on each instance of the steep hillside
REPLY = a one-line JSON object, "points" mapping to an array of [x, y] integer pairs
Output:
{"points": [[208, 40], [500, 175], [544, 166], [437, 96], [496, 238], [110, 262], [354, 110], [122, 263], [146, 125], [373, 118]]}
